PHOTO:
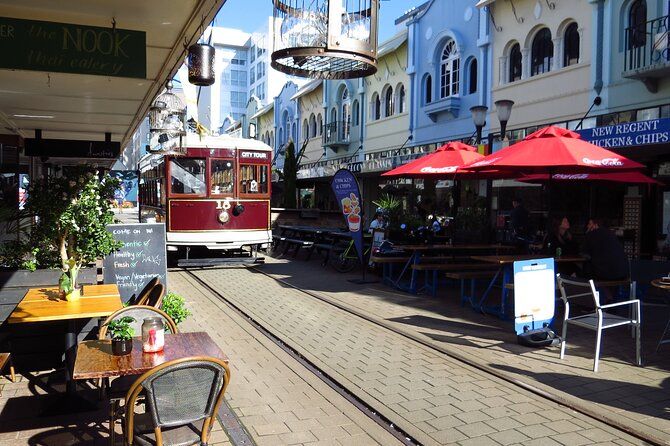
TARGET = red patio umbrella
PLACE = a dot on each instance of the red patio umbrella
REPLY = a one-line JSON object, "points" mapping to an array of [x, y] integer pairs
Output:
{"points": [[554, 149], [615, 177], [446, 160]]}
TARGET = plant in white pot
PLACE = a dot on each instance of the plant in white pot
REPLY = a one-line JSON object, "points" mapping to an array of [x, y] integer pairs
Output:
{"points": [[71, 214]]}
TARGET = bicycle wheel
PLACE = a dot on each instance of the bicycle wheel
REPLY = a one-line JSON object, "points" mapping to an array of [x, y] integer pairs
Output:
{"points": [[343, 263]]}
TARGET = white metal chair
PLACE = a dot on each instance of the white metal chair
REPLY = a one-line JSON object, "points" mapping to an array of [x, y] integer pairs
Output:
{"points": [[599, 320]]}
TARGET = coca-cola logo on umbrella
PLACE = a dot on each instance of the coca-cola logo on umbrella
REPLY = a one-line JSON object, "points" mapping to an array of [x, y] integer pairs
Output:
{"points": [[605, 162], [447, 169]]}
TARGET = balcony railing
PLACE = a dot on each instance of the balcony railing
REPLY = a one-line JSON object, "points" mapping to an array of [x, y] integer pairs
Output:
{"points": [[647, 52], [337, 133]]}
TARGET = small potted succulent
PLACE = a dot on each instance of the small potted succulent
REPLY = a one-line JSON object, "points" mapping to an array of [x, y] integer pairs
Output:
{"points": [[122, 335]]}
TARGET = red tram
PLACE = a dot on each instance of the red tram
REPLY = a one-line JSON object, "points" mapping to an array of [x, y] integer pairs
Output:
{"points": [[217, 195]]}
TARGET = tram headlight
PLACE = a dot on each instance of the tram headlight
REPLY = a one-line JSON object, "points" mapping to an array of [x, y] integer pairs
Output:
{"points": [[224, 217], [238, 209]]}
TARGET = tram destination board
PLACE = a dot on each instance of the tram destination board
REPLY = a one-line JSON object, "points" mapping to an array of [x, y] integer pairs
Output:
{"points": [[141, 258]]}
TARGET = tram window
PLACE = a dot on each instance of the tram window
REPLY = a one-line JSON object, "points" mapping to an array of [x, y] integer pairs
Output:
{"points": [[187, 176], [253, 179], [223, 177]]}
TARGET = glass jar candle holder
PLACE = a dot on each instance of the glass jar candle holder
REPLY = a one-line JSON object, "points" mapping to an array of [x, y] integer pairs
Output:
{"points": [[153, 335]]}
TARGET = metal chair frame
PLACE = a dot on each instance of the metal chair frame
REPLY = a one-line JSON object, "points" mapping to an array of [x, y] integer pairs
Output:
{"points": [[136, 389], [600, 319]]}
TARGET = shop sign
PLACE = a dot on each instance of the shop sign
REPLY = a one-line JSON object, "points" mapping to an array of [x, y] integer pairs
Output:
{"points": [[654, 131], [348, 195], [69, 48], [68, 148]]}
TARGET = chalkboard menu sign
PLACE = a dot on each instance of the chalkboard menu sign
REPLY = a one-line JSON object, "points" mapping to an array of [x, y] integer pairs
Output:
{"points": [[141, 258]]}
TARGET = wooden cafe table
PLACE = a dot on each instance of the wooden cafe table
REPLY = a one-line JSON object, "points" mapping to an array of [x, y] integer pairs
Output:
{"points": [[506, 264], [46, 304]]}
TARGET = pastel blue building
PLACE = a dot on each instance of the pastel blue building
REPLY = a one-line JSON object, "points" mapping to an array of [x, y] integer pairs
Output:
{"points": [[286, 119], [344, 117], [449, 68]]}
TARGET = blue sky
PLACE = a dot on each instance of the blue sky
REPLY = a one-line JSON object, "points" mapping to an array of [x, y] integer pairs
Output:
{"points": [[250, 15]]}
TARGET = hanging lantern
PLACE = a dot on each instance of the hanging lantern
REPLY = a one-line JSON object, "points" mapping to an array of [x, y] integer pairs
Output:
{"points": [[325, 39], [201, 64], [166, 123]]}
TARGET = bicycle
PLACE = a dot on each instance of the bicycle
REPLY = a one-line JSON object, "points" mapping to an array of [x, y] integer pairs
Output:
{"points": [[348, 259]]}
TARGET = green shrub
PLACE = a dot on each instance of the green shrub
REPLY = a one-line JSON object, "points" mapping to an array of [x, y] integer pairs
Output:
{"points": [[174, 305]]}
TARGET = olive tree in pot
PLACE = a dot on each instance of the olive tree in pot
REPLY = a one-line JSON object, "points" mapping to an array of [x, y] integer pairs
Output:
{"points": [[122, 335], [71, 214]]}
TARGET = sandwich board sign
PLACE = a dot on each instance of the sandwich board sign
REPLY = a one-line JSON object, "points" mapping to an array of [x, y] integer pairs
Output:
{"points": [[534, 293]]}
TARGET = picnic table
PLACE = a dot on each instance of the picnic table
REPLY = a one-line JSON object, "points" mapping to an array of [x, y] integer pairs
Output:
{"points": [[300, 237], [505, 264], [442, 254]]}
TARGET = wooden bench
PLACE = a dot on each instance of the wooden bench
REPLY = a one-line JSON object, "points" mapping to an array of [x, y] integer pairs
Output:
{"points": [[319, 247], [378, 259], [472, 276], [297, 244], [431, 279]]}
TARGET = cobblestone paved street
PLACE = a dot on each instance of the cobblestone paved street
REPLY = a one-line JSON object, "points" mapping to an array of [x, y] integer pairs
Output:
{"points": [[434, 398]]}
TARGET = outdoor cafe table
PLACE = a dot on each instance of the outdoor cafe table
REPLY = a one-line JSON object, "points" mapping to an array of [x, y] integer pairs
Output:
{"points": [[95, 358], [46, 304], [506, 267], [416, 252]]}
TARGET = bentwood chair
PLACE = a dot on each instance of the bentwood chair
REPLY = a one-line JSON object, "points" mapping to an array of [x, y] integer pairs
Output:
{"points": [[182, 398], [600, 319], [154, 297], [142, 295], [117, 390]]}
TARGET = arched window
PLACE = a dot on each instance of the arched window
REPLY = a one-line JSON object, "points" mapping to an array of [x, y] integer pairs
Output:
{"points": [[449, 65], [428, 89], [388, 102], [571, 45], [346, 113], [319, 122], [401, 98], [542, 53], [637, 21], [281, 137], [305, 129], [472, 77], [312, 126], [375, 107], [356, 114], [515, 63], [294, 133]]}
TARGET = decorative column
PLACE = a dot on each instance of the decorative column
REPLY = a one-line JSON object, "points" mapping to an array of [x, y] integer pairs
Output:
{"points": [[525, 63], [557, 63]]}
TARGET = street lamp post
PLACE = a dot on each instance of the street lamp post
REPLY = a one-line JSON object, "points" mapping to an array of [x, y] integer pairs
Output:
{"points": [[504, 109], [479, 118]]}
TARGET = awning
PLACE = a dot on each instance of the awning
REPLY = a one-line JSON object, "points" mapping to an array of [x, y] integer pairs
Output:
{"points": [[119, 55], [263, 110], [482, 3], [392, 44]]}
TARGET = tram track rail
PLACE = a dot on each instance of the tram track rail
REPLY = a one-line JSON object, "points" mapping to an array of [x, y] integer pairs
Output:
{"points": [[375, 414]]}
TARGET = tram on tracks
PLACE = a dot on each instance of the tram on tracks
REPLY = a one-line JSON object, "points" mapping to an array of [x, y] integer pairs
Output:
{"points": [[216, 195]]}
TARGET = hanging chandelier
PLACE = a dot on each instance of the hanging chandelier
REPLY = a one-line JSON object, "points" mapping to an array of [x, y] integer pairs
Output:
{"points": [[325, 39], [201, 64], [166, 123]]}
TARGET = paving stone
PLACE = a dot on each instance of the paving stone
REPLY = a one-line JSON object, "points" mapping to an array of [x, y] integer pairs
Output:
{"points": [[509, 436]]}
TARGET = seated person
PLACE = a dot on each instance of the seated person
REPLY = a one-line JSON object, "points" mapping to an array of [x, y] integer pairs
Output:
{"points": [[559, 236], [606, 259], [378, 222]]}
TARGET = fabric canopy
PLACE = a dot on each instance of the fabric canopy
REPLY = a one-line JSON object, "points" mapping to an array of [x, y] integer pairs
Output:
{"points": [[615, 177], [552, 150], [446, 160]]}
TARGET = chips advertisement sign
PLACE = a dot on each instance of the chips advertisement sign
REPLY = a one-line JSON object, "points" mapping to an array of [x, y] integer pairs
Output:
{"points": [[348, 195]]}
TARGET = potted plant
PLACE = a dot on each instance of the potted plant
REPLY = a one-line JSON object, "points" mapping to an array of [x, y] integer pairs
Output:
{"points": [[174, 305], [122, 335], [71, 214]]}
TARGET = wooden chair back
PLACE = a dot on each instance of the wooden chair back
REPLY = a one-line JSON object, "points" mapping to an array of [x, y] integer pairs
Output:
{"points": [[139, 313], [155, 296], [142, 295]]}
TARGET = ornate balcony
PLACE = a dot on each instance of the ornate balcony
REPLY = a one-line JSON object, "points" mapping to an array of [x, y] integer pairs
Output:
{"points": [[647, 55], [337, 135]]}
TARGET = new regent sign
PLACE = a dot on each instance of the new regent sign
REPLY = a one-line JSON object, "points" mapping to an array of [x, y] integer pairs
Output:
{"points": [[654, 131]]}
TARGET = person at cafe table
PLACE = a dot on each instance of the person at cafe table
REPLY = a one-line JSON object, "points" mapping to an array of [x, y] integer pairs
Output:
{"points": [[520, 222], [606, 259], [558, 242]]}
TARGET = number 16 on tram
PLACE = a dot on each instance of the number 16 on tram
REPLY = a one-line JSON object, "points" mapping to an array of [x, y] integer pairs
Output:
{"points": [[216, 196]]}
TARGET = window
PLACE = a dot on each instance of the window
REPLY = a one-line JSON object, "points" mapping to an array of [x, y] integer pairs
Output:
{"points": [[187, 176], [252, 75], [472, 77], [253, 179], [319, 121], [238, 99], [260, 70], [222, 178], [312, 126], [356, 114], [376, 107], [401, 99], [637, 21], [260, 91], [571, 45], [305, 129], [449, 65], [515, 63], [333, 115], [542, 53], [346, 114], [238, 78], [238, 62], [428, 89], [388, 102], [260, 51], [252, 54]]}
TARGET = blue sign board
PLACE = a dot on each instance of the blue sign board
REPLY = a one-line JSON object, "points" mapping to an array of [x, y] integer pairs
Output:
{"points": [[629, 134], [534, 293], [348, 195]]}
